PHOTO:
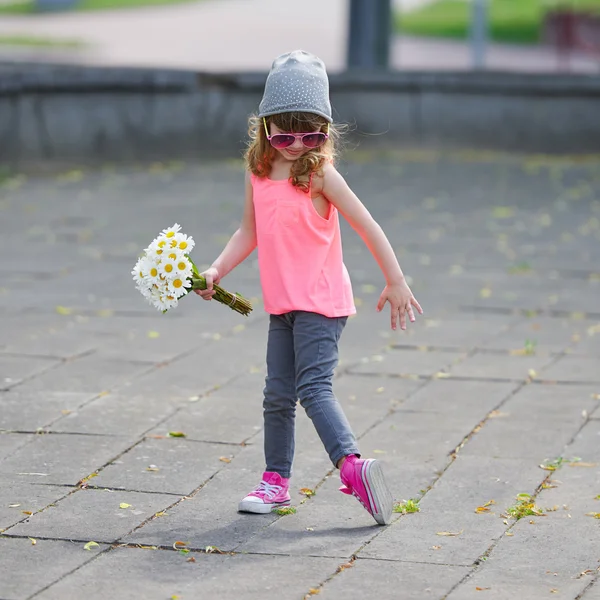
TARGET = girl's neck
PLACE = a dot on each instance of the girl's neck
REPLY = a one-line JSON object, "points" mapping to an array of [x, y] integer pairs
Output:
{"points": [[280, 169]]}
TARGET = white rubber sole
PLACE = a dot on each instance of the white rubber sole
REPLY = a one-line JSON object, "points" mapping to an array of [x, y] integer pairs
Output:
{"points": [[259, 508], [379, 494]]}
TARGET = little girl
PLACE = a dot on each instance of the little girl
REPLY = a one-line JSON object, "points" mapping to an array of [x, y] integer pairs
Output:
{"points": [[293, 197]]}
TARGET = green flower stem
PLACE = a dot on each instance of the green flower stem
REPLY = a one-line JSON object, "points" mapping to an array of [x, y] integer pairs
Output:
{"points": [[235, 301]]}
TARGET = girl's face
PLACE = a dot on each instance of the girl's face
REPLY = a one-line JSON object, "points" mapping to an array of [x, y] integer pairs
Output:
{"points": [[292, 152]]}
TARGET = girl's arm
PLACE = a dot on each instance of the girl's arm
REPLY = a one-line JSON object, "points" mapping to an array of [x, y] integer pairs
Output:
{"points": [[396, 292], [238, 248]]}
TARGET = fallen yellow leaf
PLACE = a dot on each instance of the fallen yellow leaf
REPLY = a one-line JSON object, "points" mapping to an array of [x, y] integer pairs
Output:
{"points": [[480, 589], [91, 545], [179, 545], [449, 533], [33, 541], [153, 334], [485, 292], [225, 459], [176, 434], [307, 492], [124, 505], [63, 310]]}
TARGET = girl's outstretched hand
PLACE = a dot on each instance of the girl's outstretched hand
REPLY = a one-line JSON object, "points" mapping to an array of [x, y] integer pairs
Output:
{"points": [[212, 276], [401, 300]]}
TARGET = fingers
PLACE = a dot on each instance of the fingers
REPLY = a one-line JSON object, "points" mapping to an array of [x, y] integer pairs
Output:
{"points": [[403, 319], [205, 294], [414, 302], [381, 302], [394, 317]]}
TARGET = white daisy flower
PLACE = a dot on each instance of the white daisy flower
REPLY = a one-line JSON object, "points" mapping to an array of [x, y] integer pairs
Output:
{"points": [[178, 286], [168, 268], [171, 231], [138, 272], [183, 267], [182, 242], [150, 270]]}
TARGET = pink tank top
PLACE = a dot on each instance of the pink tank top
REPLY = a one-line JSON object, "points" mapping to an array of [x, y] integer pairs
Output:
{"points": [[299, 252]]}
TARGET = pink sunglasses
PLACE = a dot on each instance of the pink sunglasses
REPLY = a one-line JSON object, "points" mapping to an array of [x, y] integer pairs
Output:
{"points": [[279, 141]]}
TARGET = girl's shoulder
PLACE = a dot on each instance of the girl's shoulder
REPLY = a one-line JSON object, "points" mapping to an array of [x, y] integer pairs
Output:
{"points": [[319, 178]]}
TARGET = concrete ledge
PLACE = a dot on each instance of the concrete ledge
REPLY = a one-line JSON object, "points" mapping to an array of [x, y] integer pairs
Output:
{"points": [[51, 113]]}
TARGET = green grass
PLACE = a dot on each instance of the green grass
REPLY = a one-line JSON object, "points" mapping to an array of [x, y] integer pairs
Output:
{"points": [[410, 506], [511, 21], [29, 6], [37, 42]]}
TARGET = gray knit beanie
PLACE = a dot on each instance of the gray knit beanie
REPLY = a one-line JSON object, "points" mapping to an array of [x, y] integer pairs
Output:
{"points": [[297, 82]]}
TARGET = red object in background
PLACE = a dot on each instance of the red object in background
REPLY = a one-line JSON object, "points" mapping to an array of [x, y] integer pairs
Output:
{"points": [[569, 31]]}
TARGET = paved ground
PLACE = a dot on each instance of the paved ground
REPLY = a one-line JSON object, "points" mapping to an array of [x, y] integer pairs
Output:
{"points": [[500, 376], [224, 35]]}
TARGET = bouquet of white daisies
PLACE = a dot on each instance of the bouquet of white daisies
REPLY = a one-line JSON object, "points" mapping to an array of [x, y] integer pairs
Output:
{"points": [[165, 273]]}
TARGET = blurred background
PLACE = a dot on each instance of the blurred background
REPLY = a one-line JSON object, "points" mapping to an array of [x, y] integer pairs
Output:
{"points": [[536, 36]]}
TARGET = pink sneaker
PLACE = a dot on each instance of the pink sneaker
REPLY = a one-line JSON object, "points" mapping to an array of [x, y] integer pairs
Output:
{"points": [[363, 478], [272, 492]]}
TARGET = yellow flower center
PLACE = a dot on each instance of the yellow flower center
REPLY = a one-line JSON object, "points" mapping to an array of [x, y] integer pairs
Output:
{"points": [[162, 278], [170, 234], [177, 283], [159, 252], [161, 244], [168, 268], [153, 271], [183, 245], [181, 266], [173, 243], [173, 256]]}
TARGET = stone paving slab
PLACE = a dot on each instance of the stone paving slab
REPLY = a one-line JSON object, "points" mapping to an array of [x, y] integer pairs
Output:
{"points": [[450, 506], [45, 562], [117, 413], [456, 331], [386, 580], [11, 442], [576, 369], [454, 397], [87, 374], [60, 343], [62, 459], [171, 466], [93, 515], [525, 564], [15, 368], [18, 497], [485, 365], [163, 574], [231, 414], [28, 411], [402, 362], [510, 433], [547, 335]]}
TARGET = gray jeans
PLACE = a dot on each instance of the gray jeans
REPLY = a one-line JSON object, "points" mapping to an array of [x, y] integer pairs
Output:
{"points": [[302, 353]]}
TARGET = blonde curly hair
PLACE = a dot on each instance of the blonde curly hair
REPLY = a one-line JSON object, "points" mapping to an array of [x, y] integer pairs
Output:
{"points": [[260, 154]]}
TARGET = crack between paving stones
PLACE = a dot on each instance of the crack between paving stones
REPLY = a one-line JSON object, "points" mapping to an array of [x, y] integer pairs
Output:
{"points": [[84, 564], [589, 586], [479, 562]]}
